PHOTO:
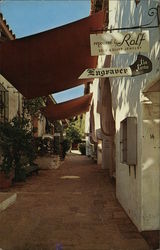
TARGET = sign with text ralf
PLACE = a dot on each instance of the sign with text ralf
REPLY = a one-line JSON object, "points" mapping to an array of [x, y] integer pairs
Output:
{"points": [[108, 43]]}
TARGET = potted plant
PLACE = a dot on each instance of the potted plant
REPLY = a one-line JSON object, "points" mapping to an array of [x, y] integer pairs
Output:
{"points": [[23, 146], [48, 152], [6, 151], [6, 176], [17, 151], [74, 135]]}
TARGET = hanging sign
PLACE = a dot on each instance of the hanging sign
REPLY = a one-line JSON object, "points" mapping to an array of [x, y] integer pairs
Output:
{"points": [[141, 66], [105, 72], [119, 43]]}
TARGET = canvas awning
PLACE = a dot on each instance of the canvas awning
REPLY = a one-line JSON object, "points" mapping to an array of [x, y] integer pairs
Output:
{"points": [[67, 109], [50, 61]]}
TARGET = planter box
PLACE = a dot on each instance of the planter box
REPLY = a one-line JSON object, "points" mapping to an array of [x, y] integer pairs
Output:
{"points": [[6, 182], [48, 162], [75, 146]]}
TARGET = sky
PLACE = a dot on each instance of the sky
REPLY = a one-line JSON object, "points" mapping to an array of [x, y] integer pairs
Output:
{"points": [[27, 17]]}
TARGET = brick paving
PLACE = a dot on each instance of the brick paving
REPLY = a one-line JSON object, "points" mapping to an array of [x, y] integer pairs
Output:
{"points": [[53, 212]]}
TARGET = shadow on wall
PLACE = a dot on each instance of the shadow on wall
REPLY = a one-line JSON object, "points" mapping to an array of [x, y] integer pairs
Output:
{"points": [[126, 101], [133, 86]]}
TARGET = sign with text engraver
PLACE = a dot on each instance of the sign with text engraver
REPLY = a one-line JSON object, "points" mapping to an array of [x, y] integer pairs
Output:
{"points": [[141, 66], [107, 43]]}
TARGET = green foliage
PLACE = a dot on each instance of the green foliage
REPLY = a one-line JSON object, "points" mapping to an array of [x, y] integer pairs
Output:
{"points": [[81, 124], [47, 146], [44, 146], [82, 148], [73, 133], [34, 105], [16, 144]]}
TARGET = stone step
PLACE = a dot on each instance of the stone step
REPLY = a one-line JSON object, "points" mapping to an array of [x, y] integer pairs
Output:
{"points": [[6, 200]]}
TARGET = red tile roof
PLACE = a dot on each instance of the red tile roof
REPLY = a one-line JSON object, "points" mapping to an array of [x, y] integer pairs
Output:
{"points": [[5, 27]]}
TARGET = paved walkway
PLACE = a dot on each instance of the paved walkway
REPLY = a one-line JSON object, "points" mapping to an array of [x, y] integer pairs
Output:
{"points": [[72, 208]]}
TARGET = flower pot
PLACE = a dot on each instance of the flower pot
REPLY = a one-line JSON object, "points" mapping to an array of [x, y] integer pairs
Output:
{"points": [[6, 181]]}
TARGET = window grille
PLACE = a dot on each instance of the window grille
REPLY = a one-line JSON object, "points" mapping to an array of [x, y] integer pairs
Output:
{"points": [[4, 99]]}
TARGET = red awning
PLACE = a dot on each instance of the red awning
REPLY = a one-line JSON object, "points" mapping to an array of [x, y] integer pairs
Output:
{"points": [[67, 109], [50, 61]]}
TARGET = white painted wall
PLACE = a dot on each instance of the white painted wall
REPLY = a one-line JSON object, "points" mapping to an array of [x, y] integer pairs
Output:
{"points": [[99, 152], [89, 147], [15, 98], [41, 125], [150, 162], [87, 117], [94, 88], [139, 196]]}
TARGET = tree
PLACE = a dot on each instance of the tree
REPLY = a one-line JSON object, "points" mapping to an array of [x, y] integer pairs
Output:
{"points": [[33, 106], [73, 133]]}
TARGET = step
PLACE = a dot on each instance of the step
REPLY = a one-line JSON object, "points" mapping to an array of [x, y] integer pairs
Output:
{"points": [[6, 200]]}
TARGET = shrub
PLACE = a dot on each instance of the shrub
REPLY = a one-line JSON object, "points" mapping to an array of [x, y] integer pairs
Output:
{"points": [[44, 146], [16, 143], [73, 134]]}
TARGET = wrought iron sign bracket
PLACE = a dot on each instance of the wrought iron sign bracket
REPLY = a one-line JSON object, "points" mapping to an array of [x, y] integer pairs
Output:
{"points": [[152, 12]]}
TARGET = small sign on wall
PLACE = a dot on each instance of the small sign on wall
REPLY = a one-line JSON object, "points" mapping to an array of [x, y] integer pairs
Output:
{"points": [[107, 43], [141, 66], [105, 72]]}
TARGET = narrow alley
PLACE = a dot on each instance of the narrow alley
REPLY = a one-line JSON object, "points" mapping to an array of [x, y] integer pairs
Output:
{"points": [[70, 208]]}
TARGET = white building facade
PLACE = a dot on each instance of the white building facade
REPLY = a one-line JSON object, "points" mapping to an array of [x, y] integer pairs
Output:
{"points": [[11, 101], [130, 127], [138, 187]]}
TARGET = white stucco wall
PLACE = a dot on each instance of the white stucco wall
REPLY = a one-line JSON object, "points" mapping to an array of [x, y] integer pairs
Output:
{"points": [[89, 148], [94, 88], [41, 125], [138, 195], [150, 162], [15, 98], [87, 130]]}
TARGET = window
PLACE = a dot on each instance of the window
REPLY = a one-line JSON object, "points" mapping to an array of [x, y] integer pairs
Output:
{"points": [[3, 104], [128, 141]]}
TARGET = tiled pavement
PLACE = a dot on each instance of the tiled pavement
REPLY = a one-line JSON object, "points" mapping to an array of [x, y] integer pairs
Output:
{"points": [[76, 213]]}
